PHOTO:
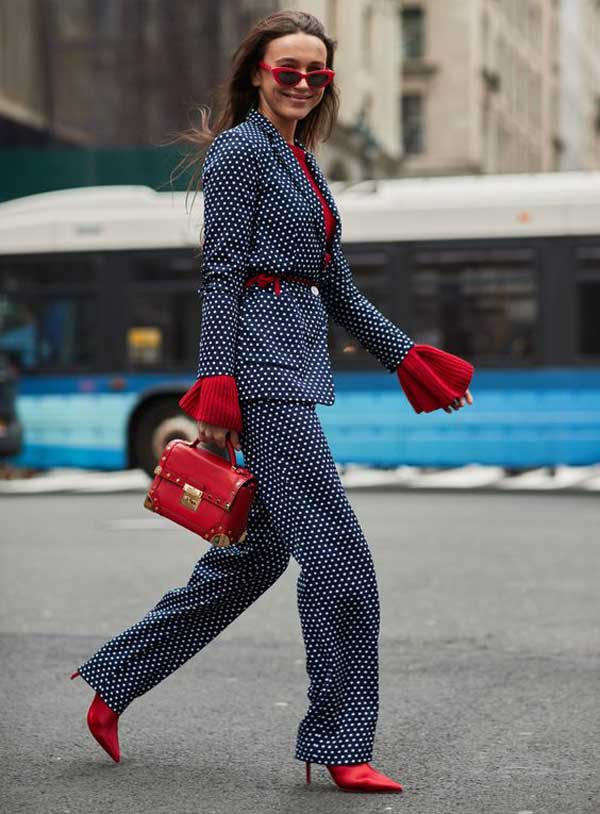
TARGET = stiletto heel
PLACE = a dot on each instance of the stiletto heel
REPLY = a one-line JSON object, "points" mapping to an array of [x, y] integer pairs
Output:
{"points": [[103, 722], [358, 777]]}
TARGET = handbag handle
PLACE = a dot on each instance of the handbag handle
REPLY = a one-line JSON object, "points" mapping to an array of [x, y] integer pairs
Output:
{"points": [[230, 449]]}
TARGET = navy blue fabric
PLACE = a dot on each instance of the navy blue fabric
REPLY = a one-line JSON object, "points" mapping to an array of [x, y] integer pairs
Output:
{"points": [[261, 215], [300, 510]]}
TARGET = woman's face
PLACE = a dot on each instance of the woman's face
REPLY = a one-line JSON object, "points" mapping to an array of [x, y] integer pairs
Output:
{"points": [[302, 51]]}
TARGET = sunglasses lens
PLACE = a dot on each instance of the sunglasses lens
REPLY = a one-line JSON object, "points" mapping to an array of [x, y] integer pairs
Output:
{"points": [[288, 77], [318, 80]]}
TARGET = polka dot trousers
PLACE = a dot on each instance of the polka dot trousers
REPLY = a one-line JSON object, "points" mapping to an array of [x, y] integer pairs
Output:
{"points": [[300, 510]]}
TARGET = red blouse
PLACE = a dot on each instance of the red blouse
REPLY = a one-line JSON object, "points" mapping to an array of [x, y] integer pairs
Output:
{"points": [[329, 219], [430, 378]]}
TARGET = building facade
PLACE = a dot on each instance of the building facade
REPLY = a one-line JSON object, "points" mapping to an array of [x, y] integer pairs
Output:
{"points": [[433, 87], [428, 87], [481, 86], [580, 87]]}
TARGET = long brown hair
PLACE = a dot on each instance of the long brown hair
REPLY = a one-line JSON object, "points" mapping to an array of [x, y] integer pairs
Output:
{"points": [[236, 94]]}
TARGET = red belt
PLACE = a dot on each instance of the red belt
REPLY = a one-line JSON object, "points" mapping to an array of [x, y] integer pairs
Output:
{"points": [[263, 280]]}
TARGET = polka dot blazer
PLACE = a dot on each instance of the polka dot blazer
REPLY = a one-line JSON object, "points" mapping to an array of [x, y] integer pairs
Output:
{"points": [[262, 216]]}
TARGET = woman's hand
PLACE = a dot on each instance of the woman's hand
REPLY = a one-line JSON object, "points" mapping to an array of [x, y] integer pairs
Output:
{"points": [[458, 403], [210, 433]]}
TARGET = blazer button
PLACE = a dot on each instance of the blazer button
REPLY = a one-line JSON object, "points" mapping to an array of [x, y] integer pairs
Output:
{"points": [[314, 290]]}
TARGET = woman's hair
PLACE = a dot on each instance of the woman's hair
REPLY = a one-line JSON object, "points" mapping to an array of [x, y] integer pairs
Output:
{"points": [[236, 95]]}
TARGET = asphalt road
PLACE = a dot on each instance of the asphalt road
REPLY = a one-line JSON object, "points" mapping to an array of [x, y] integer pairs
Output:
{"points": [[490, 663]]}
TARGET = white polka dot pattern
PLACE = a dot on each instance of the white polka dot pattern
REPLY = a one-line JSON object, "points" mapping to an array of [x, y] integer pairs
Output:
{"points": [[261, 214], [300, 510]]}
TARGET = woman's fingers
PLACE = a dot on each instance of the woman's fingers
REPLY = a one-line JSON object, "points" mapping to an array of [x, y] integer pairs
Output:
{"points": [[457, 403], [211, 433], [235, 439]]}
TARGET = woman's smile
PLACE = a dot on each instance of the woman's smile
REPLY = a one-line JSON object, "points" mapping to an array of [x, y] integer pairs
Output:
{"points": [[296, 98]]}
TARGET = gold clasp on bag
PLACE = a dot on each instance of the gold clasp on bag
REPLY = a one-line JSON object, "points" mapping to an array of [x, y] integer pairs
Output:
{"points": [[191, 497]]}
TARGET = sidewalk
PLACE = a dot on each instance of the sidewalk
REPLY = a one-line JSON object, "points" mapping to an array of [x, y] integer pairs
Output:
{"points": [[472, 477]]}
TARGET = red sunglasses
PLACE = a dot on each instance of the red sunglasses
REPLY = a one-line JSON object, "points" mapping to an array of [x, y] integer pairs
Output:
{"points": [[288, 77]]}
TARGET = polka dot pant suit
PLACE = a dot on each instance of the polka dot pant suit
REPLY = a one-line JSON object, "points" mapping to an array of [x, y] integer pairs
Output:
{"points": [[263, 366]]}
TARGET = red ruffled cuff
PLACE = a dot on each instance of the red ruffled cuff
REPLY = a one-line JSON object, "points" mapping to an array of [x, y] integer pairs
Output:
{"points": [[432, 378], [214, 399]]}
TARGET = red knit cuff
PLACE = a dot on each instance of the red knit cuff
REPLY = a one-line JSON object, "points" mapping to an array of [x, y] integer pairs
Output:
{"points": [[214, 399], [432, 378]]}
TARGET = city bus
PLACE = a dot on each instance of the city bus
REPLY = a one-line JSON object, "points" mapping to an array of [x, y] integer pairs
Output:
{"points": [[100, 311]]}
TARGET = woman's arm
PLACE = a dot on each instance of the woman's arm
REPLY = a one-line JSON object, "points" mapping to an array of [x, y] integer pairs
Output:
{"points": [[230, 178], [348, 307], [214, 399], [430, 377]]}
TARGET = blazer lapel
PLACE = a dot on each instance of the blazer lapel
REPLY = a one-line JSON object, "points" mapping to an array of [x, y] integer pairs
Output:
{"points": [[289, 160]]}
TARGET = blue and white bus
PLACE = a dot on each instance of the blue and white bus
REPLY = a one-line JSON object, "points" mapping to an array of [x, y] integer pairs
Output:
{"points": [[99, 308]]}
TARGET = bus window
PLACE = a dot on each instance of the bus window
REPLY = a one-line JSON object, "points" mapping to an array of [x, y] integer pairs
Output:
{"points": [[163, 266], [588, 295], [48, 311], [164, 329], [163, 313], [18, 331], [68, 328], [48, 274], [477, 302], [48, 332]]}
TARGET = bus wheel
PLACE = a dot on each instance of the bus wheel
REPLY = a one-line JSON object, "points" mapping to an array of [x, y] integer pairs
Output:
{"points": [[156, 426]]}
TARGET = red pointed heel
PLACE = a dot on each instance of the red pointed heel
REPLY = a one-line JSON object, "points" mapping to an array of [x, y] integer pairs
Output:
{"points": [[358, 777], [103, 723]]}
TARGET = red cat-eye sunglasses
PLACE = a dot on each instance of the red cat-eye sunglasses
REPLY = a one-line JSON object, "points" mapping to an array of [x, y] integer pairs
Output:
{"points": [[289, 77]]}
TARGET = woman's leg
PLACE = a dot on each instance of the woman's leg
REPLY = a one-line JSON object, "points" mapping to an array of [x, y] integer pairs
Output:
{"points": [[224, 582], [338, 597]]}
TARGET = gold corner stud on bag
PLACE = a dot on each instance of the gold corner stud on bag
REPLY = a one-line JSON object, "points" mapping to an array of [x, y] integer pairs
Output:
{"points": [[220, 540]]}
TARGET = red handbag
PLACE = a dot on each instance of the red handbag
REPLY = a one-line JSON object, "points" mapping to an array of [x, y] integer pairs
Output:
{"points": [[203, 491]]}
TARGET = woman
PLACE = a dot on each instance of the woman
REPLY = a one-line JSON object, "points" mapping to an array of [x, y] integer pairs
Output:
{"points": [[273, 272]]}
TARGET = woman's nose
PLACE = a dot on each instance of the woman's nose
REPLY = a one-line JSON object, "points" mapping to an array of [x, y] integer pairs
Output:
{"points": [[303, 83]]}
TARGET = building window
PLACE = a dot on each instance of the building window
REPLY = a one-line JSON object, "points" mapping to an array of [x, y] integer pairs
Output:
{"points": [[413, 40], [412, 123]]}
